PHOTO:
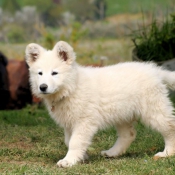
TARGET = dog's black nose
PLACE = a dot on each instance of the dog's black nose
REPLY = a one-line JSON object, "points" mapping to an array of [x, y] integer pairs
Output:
{"points": [[43, 87]]}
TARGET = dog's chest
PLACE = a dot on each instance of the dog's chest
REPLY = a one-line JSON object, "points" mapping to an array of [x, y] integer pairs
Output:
{"points": [[63, 113]]}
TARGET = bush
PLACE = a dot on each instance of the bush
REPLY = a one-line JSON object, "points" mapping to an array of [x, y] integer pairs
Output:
{"points": [[156, 42]]}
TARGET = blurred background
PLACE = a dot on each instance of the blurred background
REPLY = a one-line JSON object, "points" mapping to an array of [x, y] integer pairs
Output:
{"points": [[94, 27], [101, 32]]}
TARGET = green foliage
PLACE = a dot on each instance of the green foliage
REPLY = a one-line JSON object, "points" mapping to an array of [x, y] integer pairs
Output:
{"points": [[51, 14], [156, 42], [16, 34], [10, 5], [50, 11], [83, 10], [49, 40], [41, 5], [130, 6], [76, 33]]}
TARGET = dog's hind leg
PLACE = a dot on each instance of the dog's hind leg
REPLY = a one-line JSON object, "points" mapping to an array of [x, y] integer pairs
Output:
{"points": [[160, 117], [166, 126], [126, 135]]}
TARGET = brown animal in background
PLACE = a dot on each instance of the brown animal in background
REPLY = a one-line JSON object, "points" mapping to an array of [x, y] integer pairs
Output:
{"points": [[4, 91], [18, 76]]}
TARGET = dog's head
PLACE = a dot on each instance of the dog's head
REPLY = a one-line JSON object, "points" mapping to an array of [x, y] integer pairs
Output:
{"points": [[49, 70]]}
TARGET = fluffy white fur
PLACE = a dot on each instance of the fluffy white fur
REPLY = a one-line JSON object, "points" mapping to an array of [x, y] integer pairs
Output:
{"points": [[85, 99]]}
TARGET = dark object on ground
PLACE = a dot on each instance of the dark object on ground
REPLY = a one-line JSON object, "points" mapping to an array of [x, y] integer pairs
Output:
{"points": [[4, 91]]}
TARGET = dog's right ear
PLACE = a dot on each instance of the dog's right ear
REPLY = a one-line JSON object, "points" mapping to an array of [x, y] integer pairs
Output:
{"points": [[65, 52], [33, 52]]}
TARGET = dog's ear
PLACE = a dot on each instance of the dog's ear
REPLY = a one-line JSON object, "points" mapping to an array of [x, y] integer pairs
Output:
{"points": [[33, 52], [65, 52]]}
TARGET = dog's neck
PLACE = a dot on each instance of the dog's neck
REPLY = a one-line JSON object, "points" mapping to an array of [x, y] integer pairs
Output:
{"points": [[52, 107], [54, 103]]}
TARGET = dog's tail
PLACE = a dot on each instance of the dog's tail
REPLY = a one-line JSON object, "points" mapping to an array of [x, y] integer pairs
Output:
{"points": [[168, 78]]}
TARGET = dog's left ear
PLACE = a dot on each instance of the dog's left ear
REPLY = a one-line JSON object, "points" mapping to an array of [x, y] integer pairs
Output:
{"points": [[65, 52], [33, 52]]}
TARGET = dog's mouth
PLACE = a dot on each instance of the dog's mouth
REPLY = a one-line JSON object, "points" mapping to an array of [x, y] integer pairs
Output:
{"points": [[48, 93], [45, 93]]}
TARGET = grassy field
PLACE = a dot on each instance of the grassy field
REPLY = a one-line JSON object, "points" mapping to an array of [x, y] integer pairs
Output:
{"points": [[31, 143], [136, 6], [126, 6]]}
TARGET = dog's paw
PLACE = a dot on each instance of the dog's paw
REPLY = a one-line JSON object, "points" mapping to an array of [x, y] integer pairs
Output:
{"points": [[108, 153], [65, 163], [161, 155]]}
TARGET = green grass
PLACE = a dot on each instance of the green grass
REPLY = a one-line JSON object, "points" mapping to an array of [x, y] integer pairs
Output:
{"points": [[31, 143], [130, 6], [126, 6]]}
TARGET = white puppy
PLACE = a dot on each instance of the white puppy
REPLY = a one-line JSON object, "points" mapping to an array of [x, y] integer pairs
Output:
{"points": [[83, 100]]}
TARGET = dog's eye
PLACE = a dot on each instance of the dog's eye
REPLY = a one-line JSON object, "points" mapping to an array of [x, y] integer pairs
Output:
{"points": [[54, 73], [40, 73]]}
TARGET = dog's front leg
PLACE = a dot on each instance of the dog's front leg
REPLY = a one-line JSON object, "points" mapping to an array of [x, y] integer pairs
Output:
{"points": [[80, 140], [67, 135]]}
